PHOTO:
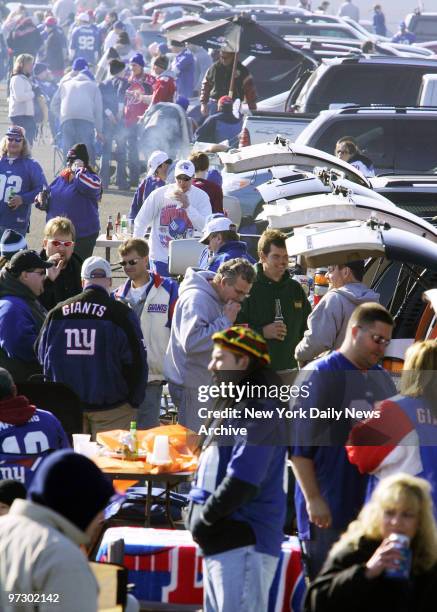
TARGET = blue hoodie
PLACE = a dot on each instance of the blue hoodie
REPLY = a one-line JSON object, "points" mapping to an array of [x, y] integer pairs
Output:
{"points": [[229, 250]]}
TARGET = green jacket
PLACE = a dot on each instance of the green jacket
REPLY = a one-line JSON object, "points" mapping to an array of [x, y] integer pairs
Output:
{"points": [[258, 310]]}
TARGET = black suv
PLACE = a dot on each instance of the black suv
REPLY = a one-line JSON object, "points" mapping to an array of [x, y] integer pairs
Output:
{"points": [[361, 80]]}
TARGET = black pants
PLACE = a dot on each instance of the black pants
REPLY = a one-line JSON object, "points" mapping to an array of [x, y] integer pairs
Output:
{"points": [[84, 246]]}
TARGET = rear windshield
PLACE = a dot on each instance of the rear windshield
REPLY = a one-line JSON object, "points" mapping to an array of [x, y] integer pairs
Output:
{"points": [[364, 85], [424, 26]]}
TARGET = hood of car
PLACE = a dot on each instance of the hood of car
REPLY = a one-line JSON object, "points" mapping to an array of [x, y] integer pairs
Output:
{"points": [[285, 153], [331, 207], [338, 243]]}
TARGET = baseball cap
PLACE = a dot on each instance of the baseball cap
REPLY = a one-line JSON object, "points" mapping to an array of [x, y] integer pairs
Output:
{"points": [[51, 21], [83, 17], [25, 261], [156, 159], [96, 267], [239, 339], [225, 100], [15, 131], [184, 166], [219, 224]]}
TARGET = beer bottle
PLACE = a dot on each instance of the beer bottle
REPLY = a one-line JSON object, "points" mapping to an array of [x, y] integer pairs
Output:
{"points": [[117, 224], [109, 228], [278, 311]]}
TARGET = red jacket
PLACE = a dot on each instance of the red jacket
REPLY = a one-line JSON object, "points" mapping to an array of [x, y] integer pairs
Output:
{"points": [[163, 89], [132, 108]]}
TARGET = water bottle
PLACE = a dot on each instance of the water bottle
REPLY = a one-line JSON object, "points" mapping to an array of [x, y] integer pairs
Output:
{"points": [[124, 225]]}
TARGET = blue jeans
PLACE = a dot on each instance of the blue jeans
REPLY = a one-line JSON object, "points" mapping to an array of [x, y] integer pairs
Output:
{"points": [[238, 580], [75, 131], [148, 410]]}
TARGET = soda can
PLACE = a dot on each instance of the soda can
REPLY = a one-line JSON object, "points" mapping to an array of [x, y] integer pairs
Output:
{"points": [[402, 571]]}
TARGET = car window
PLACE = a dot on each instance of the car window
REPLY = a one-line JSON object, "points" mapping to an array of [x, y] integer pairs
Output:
{"points": [[366, 85], [373, 136], [333, 32], [421, 204], [425, 27], [273, 76], [416, 145]]}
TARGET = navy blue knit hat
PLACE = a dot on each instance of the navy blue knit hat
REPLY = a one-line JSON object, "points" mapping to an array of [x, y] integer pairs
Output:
{"points": [[137, 59], [72, 485], [79, 64]]}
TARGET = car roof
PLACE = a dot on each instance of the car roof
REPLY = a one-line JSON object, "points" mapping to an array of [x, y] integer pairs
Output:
{"points": [[383, 59]]}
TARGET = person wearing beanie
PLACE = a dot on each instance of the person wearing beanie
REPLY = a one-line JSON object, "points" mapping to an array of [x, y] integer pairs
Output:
{"points": [[42, 536], [10, 243], [27, 434], [53, 51], [140, 85], [85, 31], [78, 106], [237, 501], [183, 67], [164, 87], [75, 193], [113, 91], [222, 125], [9, 491]]}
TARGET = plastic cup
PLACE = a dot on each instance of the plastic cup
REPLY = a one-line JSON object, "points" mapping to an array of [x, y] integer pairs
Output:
{"points": [[89, 449], [161, 452], [79, 440]]}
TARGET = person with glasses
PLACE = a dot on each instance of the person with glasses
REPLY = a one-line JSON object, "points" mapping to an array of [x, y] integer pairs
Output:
{"points": [[21, 178], [63, 279], [21, 314], [173, 211], [343, 387], [328, 321], [347, 150], [153, 299]]}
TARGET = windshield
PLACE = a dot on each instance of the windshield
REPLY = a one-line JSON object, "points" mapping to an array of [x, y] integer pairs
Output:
{"points": [[300, 100]]}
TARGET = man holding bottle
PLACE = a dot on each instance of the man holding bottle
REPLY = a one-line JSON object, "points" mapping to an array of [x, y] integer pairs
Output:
{"points": [[277, 307]]}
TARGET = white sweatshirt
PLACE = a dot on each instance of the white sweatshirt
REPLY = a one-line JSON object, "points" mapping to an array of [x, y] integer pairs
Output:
{"points": [[168, 220], [21, 96]]}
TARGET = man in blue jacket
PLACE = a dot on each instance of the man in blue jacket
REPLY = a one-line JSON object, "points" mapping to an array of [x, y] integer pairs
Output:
{"points": [[21, 315], [223, 243], [183, 66], [94, 344]]}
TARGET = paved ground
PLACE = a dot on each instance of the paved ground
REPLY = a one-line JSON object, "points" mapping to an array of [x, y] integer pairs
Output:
{"points": [[112, 202]]}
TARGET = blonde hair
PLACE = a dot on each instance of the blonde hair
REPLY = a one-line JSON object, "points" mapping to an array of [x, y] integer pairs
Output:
{"points": [[19, 62], [397, 491], [418, 375], [25, 151], [63, 225]]}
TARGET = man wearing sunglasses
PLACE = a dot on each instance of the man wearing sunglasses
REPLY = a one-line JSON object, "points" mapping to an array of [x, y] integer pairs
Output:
{"points": [[63, 279], [330, 491], [173, 211]]}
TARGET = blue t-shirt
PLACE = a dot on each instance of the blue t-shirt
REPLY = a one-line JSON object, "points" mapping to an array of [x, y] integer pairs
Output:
{"points": [[258, 464], [85, 42], [337, 383]]}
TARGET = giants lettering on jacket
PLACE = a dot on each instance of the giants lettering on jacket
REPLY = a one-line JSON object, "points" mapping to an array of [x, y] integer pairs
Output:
{"points": [[84, 308]]}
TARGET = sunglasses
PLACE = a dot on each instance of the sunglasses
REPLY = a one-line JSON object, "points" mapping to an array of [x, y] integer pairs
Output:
{"points": [[65, 243], [40, 273], [183, 178], [13, 139], [377, 339], [129, 262]]}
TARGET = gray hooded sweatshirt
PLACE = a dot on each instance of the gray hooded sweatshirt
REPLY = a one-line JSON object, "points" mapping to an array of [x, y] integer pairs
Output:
{"points": [[198, 314], [328, 321]]}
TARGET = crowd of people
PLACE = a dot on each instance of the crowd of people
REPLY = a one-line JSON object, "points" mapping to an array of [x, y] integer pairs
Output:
{"points": [[237, 317]]}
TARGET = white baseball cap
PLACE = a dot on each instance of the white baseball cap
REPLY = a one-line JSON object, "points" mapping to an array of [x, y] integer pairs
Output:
{"points": [[219, 224], [83, 17], [184, 167], [96, 267], [155, 160]]}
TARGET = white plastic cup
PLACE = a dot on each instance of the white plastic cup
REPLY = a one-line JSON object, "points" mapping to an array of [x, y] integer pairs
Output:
{"points": [[79, 440], [161, 452], [89, 449]]}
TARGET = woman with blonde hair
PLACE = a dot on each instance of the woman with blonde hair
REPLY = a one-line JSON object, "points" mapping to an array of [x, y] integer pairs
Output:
{"points": [[22, 96], [402, 434], [358, 574], [22, 179]]}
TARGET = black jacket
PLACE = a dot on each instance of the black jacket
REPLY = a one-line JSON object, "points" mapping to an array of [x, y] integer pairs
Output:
{"points": [[342, 586], [65, 286]]}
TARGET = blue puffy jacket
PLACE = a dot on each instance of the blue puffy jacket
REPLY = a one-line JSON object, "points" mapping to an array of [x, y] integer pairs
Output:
{"points": [[230, 250]]}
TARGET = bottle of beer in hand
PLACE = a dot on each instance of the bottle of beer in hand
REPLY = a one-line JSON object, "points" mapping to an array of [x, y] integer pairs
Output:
{"points": [[279, 317], [11, 195], [109, 228]]}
